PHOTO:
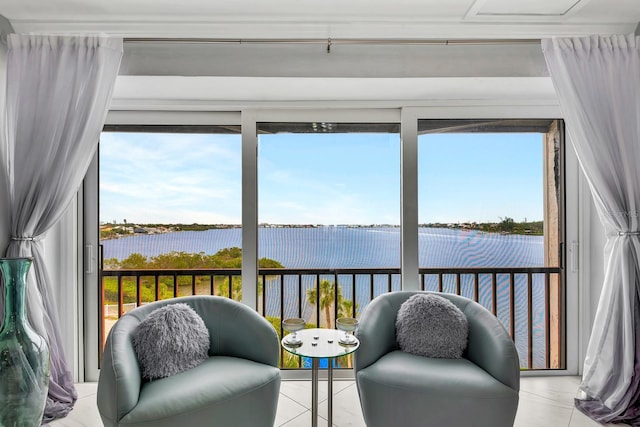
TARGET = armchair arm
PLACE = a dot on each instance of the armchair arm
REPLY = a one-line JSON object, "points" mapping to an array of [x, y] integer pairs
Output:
{"points": [[120, 377], [376, 331], [490, 346]]}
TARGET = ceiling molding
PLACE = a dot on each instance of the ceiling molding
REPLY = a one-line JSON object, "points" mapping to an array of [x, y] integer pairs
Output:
{"points": [[413, 29], [440, 108], [141, 92], [330, 41]]}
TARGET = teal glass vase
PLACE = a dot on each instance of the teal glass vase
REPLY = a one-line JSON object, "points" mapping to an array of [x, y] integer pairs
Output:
{"points": [[24, 355]]}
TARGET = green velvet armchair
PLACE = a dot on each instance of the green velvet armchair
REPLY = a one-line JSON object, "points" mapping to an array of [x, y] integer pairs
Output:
{"points": [[480, 389], [237, 385]]}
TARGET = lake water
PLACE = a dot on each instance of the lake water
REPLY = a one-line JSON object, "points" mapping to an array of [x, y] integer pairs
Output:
{"points": [[347, 247], [353, 247]]}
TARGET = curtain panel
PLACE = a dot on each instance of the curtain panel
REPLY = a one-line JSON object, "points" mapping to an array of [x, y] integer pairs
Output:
{"points": [[597, 80], [58, 93]]}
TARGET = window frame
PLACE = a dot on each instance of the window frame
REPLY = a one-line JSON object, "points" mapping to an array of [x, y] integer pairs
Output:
{"points": [[575, 329], [408, 118]]}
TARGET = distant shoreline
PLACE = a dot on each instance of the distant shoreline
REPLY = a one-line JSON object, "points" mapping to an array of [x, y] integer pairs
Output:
{"points": [[507, 226]]}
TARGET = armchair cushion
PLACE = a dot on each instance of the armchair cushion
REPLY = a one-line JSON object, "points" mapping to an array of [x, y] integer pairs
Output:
{"points": [[431, 326], [424, 391], [238, 391], [170, 340]]}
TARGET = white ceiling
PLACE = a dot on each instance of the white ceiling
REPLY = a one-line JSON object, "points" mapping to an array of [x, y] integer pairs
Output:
{"points": [[219, 76], [330, 18]]}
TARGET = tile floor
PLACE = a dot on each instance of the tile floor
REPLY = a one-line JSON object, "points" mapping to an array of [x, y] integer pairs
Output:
{"points": [[544, 402]]}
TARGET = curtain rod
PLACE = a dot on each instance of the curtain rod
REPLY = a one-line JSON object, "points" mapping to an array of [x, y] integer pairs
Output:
{"points": [[331, 41]]}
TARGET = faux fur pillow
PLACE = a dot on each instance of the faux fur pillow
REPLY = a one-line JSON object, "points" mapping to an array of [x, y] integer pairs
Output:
{"points": [[170, 340], [431, 326]]}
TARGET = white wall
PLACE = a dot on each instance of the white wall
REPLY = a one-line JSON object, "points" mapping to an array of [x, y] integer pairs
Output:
{"points": [[61, 255], [591, 239], [595, 268]]}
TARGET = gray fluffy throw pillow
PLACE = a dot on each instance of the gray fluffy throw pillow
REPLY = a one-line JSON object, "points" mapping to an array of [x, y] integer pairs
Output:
{"points": [[431, 326], [170, 340]]}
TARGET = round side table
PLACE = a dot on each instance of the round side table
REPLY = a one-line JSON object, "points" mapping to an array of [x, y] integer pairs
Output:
{"points": [[321, 344]]}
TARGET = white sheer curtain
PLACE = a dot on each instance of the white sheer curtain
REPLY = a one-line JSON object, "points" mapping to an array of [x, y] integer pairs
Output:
{"points": [[597, 80], [58, 93]]}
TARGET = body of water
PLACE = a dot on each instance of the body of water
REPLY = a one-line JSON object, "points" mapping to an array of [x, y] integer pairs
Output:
{"points": [[347, 247]]}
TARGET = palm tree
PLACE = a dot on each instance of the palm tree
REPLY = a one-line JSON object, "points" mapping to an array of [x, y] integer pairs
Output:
{"points": [[345, 308], [327, 296]]}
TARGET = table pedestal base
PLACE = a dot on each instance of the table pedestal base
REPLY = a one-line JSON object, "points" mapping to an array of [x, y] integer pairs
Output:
{"points": [[315, 365]]}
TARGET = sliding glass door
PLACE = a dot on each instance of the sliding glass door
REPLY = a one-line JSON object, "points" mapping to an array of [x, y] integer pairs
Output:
{"points": [[333, 209], [329, 219], [491, 229]]}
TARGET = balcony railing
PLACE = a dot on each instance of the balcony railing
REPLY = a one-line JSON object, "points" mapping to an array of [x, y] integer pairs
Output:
{"points": [[528, 301]]}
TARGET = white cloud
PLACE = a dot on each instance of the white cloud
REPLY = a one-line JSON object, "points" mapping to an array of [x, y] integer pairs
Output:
{"points": [[169, 178]]}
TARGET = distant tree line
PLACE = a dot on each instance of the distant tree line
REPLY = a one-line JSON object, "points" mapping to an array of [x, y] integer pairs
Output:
{"points": [[114, 230], [224, 258], [506, 225]]}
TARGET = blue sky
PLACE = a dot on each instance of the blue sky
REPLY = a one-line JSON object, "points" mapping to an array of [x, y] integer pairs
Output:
{"points": [[319, 178], [329, 178], [480, 177]]}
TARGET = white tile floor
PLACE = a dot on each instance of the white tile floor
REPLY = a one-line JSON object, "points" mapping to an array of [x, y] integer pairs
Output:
{"points": [[544, 402]]}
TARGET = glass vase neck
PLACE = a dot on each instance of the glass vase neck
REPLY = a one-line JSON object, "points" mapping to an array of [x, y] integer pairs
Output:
{"points": [[14, 274]]}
